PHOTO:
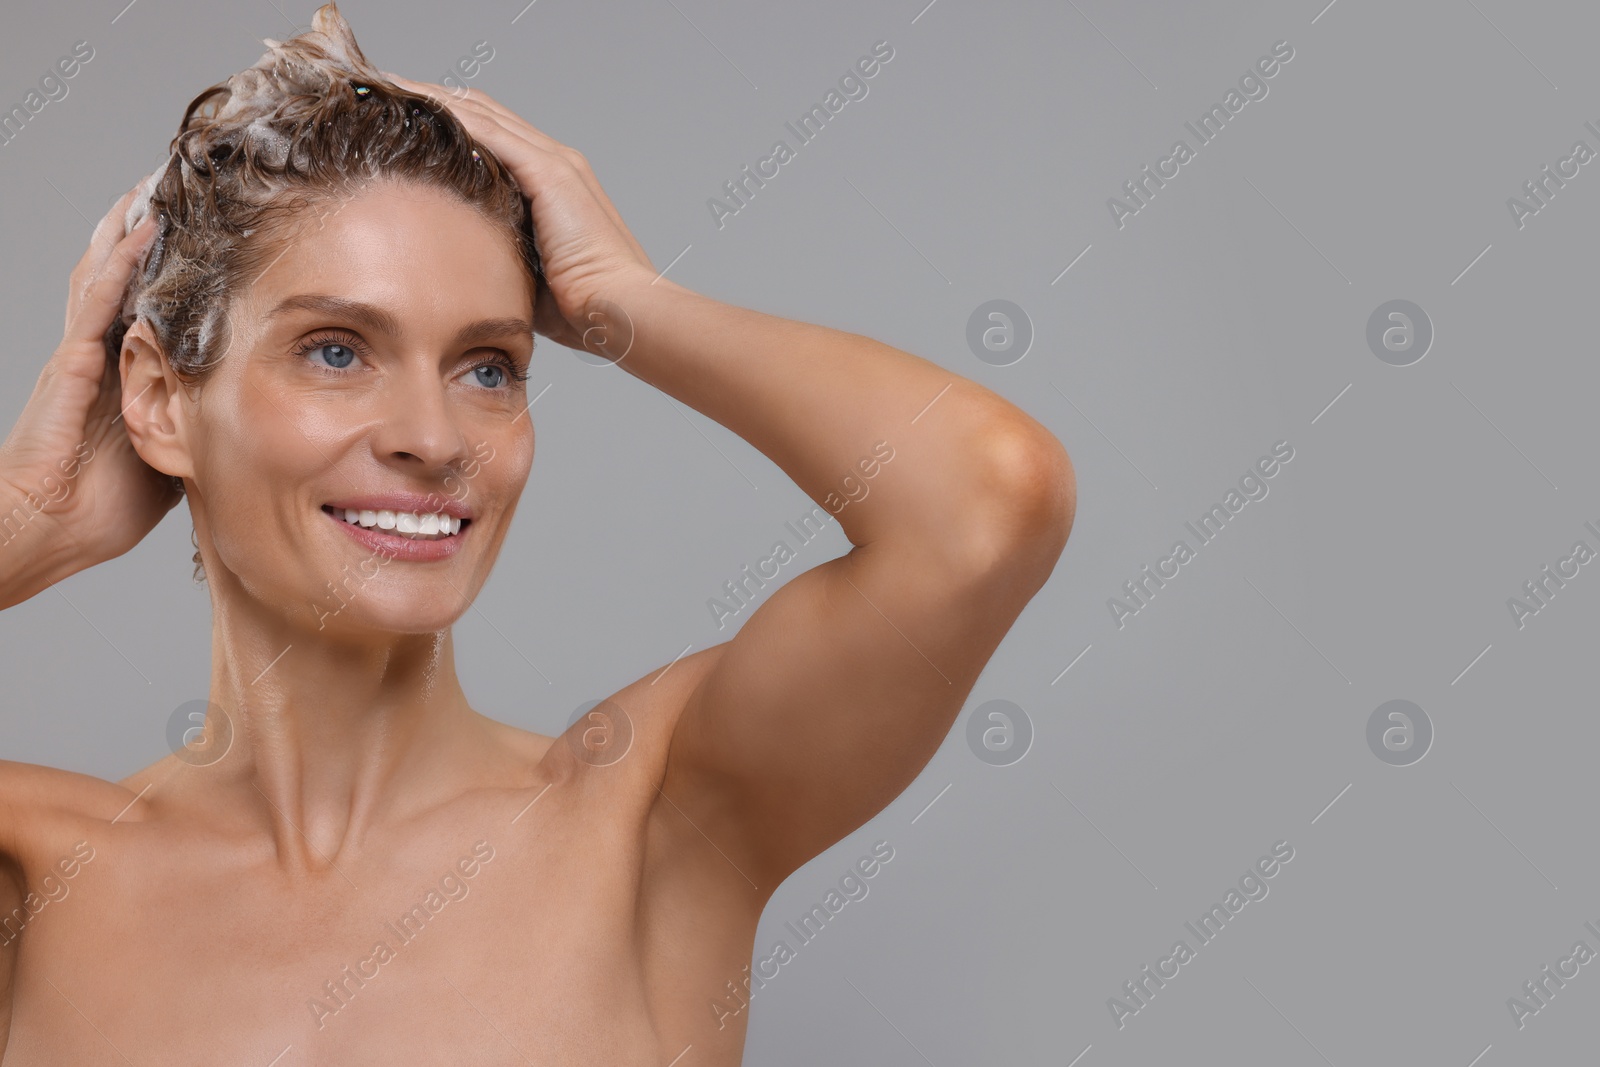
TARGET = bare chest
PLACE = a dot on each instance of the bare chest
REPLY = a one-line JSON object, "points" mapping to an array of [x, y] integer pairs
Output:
{"points": [[554, 938]]}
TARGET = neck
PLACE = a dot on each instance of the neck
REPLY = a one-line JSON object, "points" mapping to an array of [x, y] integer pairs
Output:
{"points": [[334, 733]]}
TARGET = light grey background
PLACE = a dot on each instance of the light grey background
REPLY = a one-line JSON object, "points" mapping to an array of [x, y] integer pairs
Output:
{"points": [[1222, 318]]}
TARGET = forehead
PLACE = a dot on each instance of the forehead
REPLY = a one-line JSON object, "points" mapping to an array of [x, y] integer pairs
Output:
{"points": [[415, 250]]}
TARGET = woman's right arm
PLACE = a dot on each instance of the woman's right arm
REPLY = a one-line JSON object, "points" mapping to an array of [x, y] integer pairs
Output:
{"points": [[73, 492], [26, 566]]}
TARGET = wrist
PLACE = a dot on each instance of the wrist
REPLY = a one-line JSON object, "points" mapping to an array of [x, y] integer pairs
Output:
{"points": [[32, 557], [610, 323], [35, 552], [639, 287]]}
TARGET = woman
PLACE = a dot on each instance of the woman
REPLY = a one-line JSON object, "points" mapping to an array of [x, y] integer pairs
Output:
{"points": [[320, 330]]}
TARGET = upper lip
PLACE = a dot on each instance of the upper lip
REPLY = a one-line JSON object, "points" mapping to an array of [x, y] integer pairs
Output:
{"points": [[421, 503]]}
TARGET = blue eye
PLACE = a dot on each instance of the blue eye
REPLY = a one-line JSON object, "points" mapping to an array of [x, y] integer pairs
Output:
{"points": [[495, 374], [337, 356]]}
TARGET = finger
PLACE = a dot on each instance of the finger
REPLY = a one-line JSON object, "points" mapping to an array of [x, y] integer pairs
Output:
{"points": [[554, 164], [107, 232], [518, 126], [501, 130], [480, 102], [469, 102], [102, 299], [472, 104]]}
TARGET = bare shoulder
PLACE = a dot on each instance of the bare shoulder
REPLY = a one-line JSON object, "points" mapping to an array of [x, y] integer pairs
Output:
{"points": [[644, 715], [613, 750], [690, 867], [37, 803], [46, 820], [618, 748]]}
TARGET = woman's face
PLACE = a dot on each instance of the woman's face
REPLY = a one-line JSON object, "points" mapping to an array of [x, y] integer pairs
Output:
{"points": [[371, 373]]}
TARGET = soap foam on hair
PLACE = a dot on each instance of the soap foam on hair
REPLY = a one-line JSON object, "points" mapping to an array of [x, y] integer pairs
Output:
{"points": [[310, 62]]}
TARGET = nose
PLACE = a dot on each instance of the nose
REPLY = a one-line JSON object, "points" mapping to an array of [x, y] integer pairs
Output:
{"points": [[419, 428]]}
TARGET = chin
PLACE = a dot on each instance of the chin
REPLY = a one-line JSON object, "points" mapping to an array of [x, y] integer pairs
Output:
{"points": [[418, 607]]}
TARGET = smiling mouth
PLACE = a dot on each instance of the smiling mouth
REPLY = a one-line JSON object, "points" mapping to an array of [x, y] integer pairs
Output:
{"points": [[412, 525]]}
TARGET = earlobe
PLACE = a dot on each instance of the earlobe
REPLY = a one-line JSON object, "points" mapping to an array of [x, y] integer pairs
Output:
{"points": [[152, 404]]}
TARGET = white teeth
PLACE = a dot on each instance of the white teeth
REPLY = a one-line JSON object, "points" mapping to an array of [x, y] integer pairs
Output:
{"points": [[408, 523]]}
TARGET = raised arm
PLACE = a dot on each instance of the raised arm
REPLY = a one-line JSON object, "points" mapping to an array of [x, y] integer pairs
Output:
{"points": [[73, 492], [839, 688]]}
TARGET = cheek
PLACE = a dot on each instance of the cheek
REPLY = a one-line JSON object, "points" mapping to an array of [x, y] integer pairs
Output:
{"points": [[497, 469], [255, 453]]}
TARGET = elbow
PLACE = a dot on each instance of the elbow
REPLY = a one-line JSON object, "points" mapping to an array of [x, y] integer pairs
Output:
{"points": [[1030, 499]]}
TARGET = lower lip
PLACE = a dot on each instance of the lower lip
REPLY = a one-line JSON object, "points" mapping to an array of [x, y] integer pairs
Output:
{"points": [[381, 542]]}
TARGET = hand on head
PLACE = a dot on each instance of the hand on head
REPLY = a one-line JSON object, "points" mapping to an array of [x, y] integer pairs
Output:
{"points": [[587, 251], [68, 463]]}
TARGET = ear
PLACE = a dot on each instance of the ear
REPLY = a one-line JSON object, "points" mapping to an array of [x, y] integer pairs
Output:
{"points": [[153, 404]]}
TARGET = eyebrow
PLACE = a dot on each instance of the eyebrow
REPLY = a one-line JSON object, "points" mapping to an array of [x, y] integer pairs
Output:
{"points": [[377, 320]]}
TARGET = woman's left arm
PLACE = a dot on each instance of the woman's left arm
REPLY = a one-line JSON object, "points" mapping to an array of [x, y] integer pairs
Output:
{"points": [[841, 685]]}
